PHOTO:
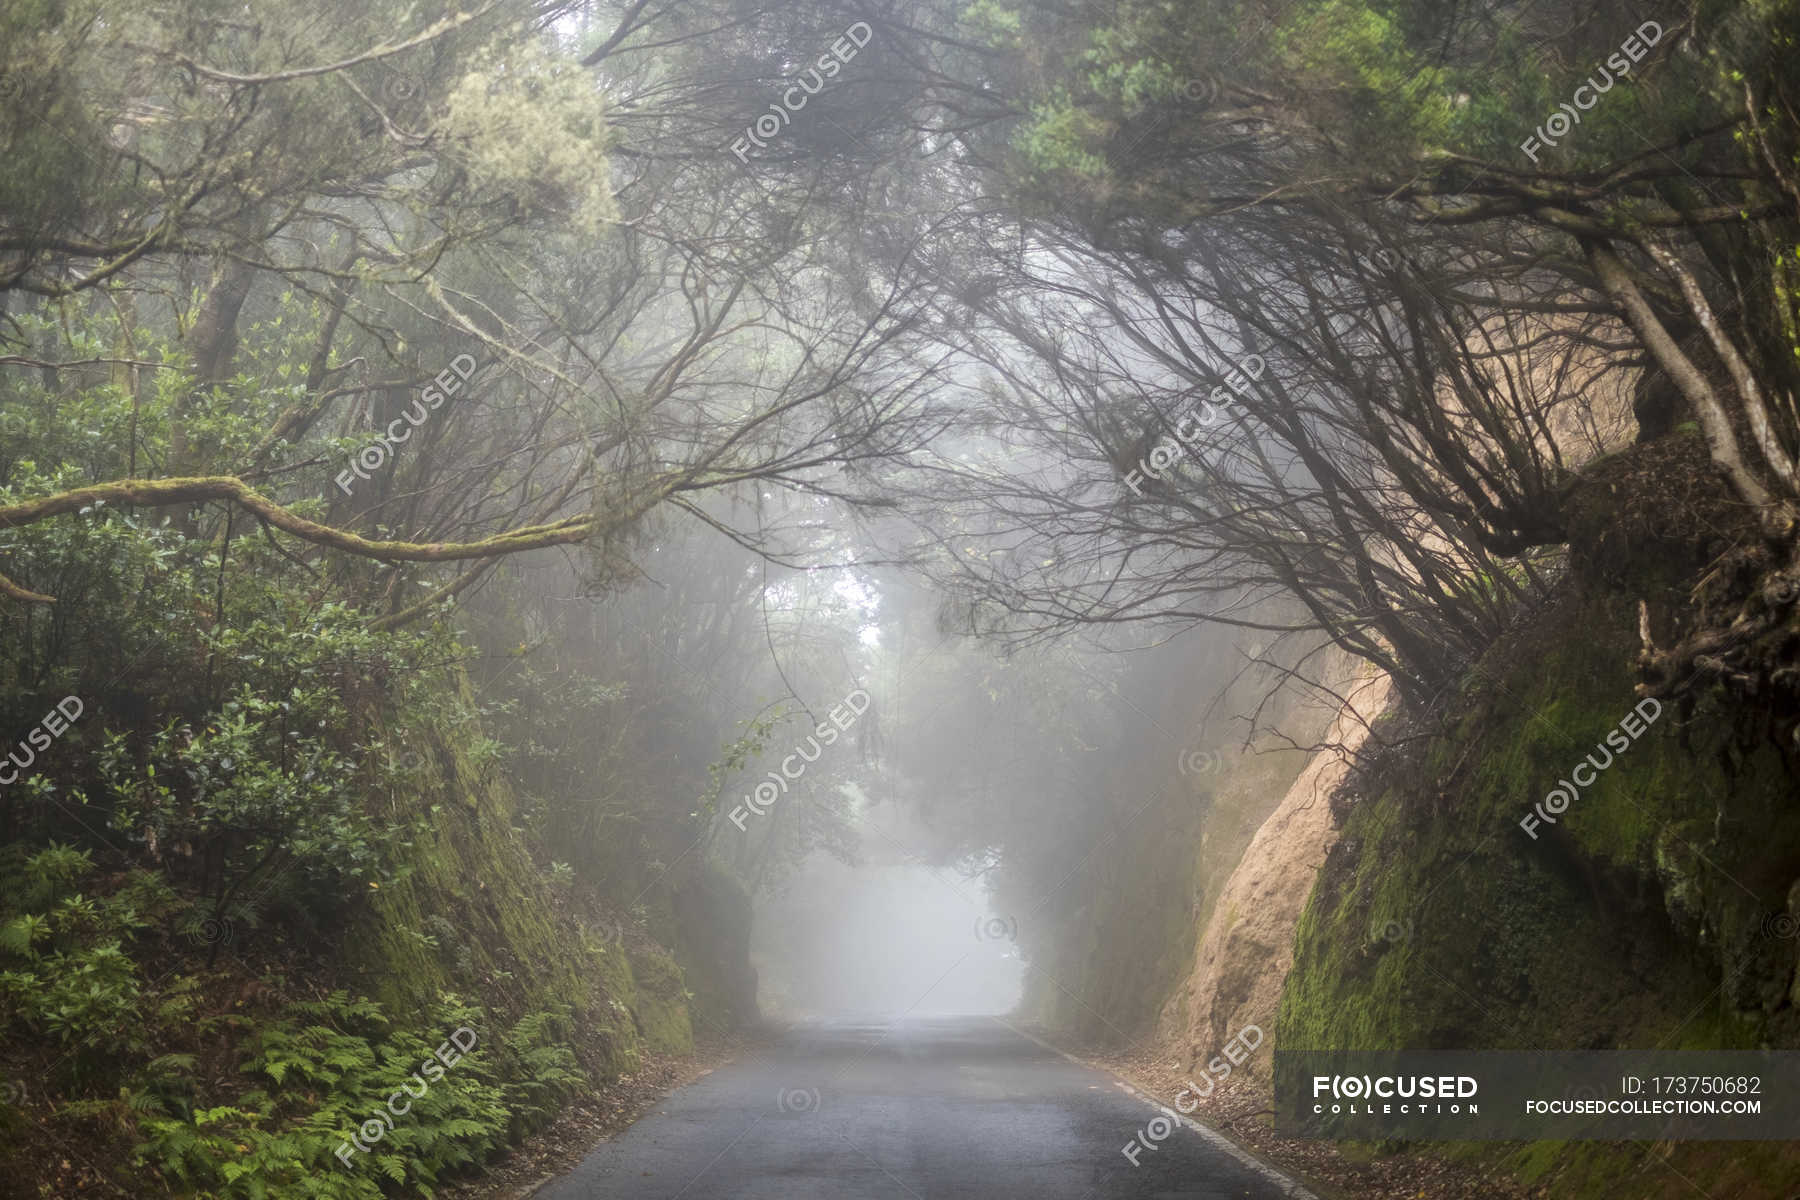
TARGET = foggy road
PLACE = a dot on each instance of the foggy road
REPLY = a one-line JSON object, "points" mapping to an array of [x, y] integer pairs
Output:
{"points": [[930, 1108]]}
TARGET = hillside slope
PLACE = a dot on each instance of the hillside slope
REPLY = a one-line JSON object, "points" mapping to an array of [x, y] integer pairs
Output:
{"points": [[1658, 910], [261, 1053]]}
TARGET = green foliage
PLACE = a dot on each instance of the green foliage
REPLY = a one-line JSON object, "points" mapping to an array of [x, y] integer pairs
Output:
{"points": [[993, 23], [51, 873], [734, 757], [312, 1077], [84, 999], [258, 783], [255, 781], [326, 1070], [1371, 86], [1385, 87], [1061, 138], [272, 779], [545, 1069], [531, 124], [275, 759], [69, 978]]}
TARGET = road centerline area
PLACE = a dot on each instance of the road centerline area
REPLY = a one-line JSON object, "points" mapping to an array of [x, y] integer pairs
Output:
{"points": [[925, 1108]]}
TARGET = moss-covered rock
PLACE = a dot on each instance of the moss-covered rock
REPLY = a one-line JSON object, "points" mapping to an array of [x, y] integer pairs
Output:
{"points": [[471, 913], [1653, 911], [660, 1008], [469, 907], [709, 931]]}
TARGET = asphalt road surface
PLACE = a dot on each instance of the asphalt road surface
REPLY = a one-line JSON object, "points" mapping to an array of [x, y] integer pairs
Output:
{"points": [[923, 1109]]}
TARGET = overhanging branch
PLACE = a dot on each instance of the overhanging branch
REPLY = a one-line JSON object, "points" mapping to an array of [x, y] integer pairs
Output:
{"points": [[154, 493]]}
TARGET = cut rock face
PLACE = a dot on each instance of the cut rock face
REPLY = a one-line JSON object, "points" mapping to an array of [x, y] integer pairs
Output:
{"points": [[1247, 948]]}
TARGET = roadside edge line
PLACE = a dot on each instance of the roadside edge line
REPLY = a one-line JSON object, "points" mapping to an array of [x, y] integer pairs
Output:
{"points": [[1293, 1188]]}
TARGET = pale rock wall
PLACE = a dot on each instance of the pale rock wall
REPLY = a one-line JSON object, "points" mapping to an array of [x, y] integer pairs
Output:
{"points": [[1247, 946]]}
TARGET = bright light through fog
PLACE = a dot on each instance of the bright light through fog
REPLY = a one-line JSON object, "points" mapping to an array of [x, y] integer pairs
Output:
{"points": [[884, 941]]}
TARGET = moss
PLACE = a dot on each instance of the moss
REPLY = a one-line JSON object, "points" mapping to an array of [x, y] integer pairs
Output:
{"points": [[709, 931], [613, 1017], [1638, 918], [466, 869], [470, 913], [166, 492], [1535, 1160], [660, 1003]]}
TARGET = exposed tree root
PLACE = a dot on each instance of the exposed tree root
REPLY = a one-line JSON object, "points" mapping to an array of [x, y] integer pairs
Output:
{"points": [[1752, 653]]}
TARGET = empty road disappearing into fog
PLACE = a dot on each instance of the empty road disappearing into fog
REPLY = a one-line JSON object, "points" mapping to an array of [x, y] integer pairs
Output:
{"points": [[926, 1109]]}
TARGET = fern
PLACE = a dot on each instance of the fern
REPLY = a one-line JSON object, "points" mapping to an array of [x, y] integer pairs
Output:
{"points": [[326, 1067], [546, 1071]]}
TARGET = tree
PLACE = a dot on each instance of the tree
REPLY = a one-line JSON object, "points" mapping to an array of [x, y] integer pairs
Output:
{"points": [[620, 371], [1340, 188]]}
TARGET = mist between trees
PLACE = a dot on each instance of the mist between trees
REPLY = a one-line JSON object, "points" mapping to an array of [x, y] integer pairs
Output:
{"points": [[744, 430]]}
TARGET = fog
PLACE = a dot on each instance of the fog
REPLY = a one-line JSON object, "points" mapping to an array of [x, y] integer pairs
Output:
{"points": [[884, 941]]}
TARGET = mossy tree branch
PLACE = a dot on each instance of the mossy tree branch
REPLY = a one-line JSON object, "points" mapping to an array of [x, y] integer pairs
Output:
{"points": [[155, 493]]}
